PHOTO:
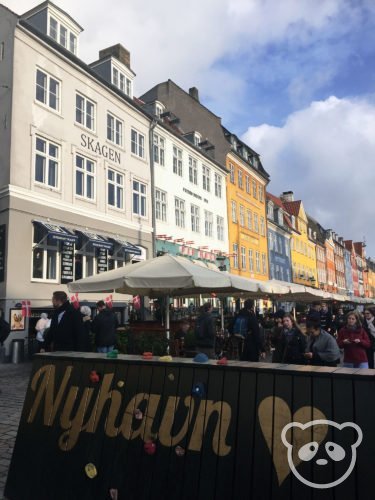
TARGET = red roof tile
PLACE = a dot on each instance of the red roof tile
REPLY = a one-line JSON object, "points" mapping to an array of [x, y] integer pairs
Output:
{"points": [[292, 207]]}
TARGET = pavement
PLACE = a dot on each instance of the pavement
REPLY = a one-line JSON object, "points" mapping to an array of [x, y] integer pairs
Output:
{"points": [[13, 385]]}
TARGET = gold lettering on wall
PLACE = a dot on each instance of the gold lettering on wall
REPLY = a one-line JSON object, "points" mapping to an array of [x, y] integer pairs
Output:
{"points": [[166, 426]]}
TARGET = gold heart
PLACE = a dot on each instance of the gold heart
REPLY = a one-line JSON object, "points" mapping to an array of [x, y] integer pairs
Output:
{"points": [[274, 414]]}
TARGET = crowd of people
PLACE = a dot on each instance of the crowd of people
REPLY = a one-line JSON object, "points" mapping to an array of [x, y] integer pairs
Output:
{"points": [[71, 329]]}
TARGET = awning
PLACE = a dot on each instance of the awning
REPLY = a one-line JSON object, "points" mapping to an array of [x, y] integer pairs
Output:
{"points": [[56, 232], [128, 247], [97, 241]]}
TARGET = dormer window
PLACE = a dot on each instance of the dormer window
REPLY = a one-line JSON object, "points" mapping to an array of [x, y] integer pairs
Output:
{"points": [[159, 109], [62, 35], [280, 216], [197, 139], [270, 210], [121, 81]]}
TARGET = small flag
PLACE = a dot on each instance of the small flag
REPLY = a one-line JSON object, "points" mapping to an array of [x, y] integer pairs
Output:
{"points": [[75, 300], [26, 308], [108, 301], [137, 302]]}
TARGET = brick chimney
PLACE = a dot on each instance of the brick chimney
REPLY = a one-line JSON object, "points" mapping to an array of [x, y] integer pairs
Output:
{"points": [[117, 51], [287, 196], [194, 93]]}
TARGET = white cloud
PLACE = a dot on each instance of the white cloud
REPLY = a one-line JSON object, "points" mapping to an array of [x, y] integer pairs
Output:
{"points": [[325, 154]]}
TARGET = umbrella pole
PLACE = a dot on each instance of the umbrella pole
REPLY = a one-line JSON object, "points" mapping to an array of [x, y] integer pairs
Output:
{"points": [[167, 318], [222, 314]]}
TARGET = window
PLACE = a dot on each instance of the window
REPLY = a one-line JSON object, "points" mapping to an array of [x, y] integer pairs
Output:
{"points": [[218, 185], [247, 179], [243, 257], [120, 81], [62, 35], [206, 178], [193, 170], [256, 223], [264, 264], [53, 28], [257, 262], [242, 216], [235, 256], [115, 189], [179, 208], [231, 168], [115, 77], [240, 178], [234, 211], [197, 139], [280, 217], [47, 162], [208, 223], [255, 189], [114, 130], [261, 193], [45, 256], [249, 219], [177, 161], [2, 47], [85, 112], [251, 261], [85, 177], [159, 149], [72, 43], [159, 110], [262, 227], [47, 90], [137, 143], [160, 205], [139, 198], [194, 210], [220, 227]]}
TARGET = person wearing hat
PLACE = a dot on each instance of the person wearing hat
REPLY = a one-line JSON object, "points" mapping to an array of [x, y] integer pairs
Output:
{"points": [[104, 328]]}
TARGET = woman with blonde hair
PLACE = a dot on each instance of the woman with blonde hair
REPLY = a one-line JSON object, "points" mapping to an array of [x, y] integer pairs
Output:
{"points": [[355, 341]]}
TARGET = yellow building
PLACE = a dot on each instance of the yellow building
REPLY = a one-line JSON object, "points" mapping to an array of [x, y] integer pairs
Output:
{"points": [[246, 199], [304, 265]]}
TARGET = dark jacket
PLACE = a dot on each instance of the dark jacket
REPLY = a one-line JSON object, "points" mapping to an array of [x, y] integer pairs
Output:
{"points": [[205, 332], [104, 327], [292, 349], [254, 342], [276, 339], [325, 350], [87, 347], [66, 334], [326, 320], [369, 333]]}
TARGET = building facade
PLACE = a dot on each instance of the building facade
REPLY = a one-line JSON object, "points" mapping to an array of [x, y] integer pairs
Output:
{"points": [[279, 237], [340, 264], [75, 174], [353, 265], [317, 235]]}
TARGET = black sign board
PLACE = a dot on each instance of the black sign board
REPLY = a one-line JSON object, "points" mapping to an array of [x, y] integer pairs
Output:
{"points": [[67, 261], [102, 260], [2, 251]]}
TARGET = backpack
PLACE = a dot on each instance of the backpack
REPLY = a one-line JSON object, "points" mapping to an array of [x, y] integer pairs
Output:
{"points": [[241, 327], [4, 330]]}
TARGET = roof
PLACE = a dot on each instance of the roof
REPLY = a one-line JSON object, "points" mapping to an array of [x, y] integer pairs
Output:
{"points": [[277, 201], [42, 5], [317, 228], [292, 207]]}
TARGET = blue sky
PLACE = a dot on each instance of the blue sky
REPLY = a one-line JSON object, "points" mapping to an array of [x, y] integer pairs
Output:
{"points": [[294, 78]]}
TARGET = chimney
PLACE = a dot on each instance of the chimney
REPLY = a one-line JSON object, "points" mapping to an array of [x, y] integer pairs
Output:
{"points": [[287, 196], [117, 51], [194, 93]]}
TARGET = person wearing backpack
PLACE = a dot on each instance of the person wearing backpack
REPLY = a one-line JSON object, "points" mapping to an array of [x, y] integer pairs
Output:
{"points": [[205, 333], [253, 345]]}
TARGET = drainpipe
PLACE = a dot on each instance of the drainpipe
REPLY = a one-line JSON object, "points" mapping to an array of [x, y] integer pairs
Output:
{"points": [[152, 172]]}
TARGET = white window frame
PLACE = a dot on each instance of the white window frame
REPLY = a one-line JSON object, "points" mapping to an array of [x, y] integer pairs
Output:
{"points": [[249, 217], [68, 38], [46, 247], [255, 193], [159, 150], [137, 143], [46, 162], [193, 170], [218, 185], [257, 262], [179, 210], [139, 193], [247, 182], [242, 216], [115, 129], [232, 173], [234, 211], [261, 193], [206, 178], [243, 258], [208, 223], [85, 114], [160, 205], [251, 260], [235, 256], [47, 93], [86, 174], [118, 187], [195, 218], [220, 227], [177, 161], [256, 223], [262, 226], [264, 264], [240, 178]]}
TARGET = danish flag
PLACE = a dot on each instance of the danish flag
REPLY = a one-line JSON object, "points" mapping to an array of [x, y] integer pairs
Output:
{"points": [[26, 308], [108, 301], [75, 300]]}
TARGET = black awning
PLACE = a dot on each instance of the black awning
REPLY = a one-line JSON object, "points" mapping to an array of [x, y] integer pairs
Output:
{"points": [[128, 247], [56, 232], [96, 240]]}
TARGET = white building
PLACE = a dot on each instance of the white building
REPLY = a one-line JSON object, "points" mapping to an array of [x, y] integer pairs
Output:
{"points": [[75, 189]]}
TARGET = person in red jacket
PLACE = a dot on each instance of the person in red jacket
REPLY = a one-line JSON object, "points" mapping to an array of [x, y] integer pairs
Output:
{"points": [[354, 340]]}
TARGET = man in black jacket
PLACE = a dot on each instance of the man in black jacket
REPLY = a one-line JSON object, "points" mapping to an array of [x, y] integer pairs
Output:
{"points": [[205, 333], [66, 331], [253, 344], [104, 327]]}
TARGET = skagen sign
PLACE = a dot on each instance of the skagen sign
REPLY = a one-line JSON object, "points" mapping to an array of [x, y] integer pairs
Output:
{"points": [[100, 149]]}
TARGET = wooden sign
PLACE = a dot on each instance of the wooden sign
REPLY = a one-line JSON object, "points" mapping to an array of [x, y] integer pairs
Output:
{"points": [[182, 430]]}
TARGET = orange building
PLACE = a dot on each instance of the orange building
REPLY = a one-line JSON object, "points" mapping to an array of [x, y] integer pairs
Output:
{"points": [[246, 200]]}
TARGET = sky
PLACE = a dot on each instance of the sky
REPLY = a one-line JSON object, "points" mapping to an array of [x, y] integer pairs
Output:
{"points": [[295, 79]]}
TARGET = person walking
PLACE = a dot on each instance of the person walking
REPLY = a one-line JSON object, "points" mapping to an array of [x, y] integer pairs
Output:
{"points": [[41, 327], [205, 331], [292, 344], [66, 330], [354, 340], [104, 328], [369, 327], [253, 343], [87, 321], [322, 348]]}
